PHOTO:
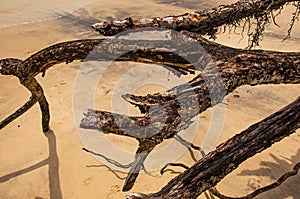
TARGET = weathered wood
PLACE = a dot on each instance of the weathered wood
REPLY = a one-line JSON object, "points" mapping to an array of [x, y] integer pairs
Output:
{"points": [[207, 172], [32, 101], [145, 51], [145, 147], [203, 22], [37, 91], [251, 195], [236, 68], [163, 52], [9, 66], [159, 52]]}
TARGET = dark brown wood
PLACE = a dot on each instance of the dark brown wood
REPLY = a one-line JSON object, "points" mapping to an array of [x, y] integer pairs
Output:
{"points": [[32, 101], [207, 172], [234, 68], [87, 50], [203, 22], [96, 49]]}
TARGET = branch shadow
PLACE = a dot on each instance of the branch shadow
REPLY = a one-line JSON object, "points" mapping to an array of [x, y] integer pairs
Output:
{"points": [[274, 170], [111, 170], [189, 4], [115, 163], [53, 168], [80, 23]]}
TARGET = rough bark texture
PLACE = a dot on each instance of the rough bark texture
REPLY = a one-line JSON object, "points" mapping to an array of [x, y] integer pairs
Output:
{"points": [[203, 22], [208, 171], [273, 185], [236, 67], [174, 110], [233, 68], [89, 50], [222, 70]]}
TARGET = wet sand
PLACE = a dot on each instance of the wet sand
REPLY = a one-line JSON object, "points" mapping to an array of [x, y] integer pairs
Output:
{"points": [[23, 145]]}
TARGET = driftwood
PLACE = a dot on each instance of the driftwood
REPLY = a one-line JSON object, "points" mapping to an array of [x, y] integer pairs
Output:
{"points": [[79, 50], [236, 68], [234, 65], [208, 171], [164, 114], [85, 50], [202, 22]]}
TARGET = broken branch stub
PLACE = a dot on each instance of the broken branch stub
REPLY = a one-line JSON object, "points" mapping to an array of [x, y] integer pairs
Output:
{"points": [[207, 172], [202, 22]]}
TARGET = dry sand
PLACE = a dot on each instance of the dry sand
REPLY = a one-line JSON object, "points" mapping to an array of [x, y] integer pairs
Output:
{"points": [[23, 144]]}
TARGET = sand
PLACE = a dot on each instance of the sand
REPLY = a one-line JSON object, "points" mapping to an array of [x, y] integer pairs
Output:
{"points": [[81, 175]]}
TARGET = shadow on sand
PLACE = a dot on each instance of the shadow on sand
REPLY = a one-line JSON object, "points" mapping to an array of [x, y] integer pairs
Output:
{"points": [[273, 170], [53, 168]]}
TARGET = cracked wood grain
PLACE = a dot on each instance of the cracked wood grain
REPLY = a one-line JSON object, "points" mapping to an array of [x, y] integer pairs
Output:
{"points": [[207, 172], [202, 22]]}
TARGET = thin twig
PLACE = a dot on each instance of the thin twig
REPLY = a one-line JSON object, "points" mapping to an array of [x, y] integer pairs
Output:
{"points": [[295, 16], [111, 161], [263, 189], [163, 170], [32, 100]]}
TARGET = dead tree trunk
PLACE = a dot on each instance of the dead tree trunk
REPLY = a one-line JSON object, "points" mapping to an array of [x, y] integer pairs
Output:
{"points": [[202, 22], [207, 172], [235, 68], [85, 50]]}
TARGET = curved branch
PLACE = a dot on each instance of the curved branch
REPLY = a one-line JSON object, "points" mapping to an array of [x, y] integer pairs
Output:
{"points": [[269, 187], [161, 52], [236, 68], [32, 100], [88, 50], [37, 91]]}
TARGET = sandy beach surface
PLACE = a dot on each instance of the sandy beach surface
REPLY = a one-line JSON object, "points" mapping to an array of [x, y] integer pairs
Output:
{"points": [[71, 173]]}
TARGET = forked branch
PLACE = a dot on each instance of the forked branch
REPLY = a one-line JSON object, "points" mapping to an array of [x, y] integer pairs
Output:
{"points": [[207, 172]]}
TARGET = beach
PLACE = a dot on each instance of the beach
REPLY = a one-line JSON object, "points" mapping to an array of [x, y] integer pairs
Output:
{"points": [[72, 172]]}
